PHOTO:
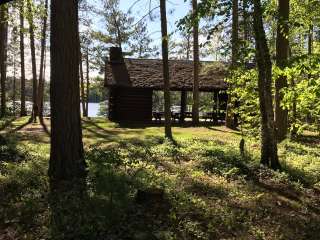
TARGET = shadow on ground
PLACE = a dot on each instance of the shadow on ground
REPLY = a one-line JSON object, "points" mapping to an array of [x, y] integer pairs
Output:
{"points": [[210, 192]]}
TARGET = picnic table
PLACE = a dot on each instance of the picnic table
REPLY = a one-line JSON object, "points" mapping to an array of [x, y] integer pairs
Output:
{"points": [[208, 116], [188, 114], [158, 116], [175, 116]]}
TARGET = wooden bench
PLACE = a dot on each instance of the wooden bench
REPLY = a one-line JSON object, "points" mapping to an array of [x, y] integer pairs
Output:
{"points": [[158, 116], [175, 116], [208, 116]]}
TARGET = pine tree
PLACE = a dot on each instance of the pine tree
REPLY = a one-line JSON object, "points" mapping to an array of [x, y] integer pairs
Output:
{"points": [[66, 157], [230, 116], [3, 56], [22, 64], [35, 108], [42, 61], [195, 106], [166, 76]]}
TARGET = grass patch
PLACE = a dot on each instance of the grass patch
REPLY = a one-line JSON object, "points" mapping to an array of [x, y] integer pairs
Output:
{"points": [[210, 190]]}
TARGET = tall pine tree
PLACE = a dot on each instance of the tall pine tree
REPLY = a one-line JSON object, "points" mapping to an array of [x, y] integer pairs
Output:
{"points": [[66, 158]]}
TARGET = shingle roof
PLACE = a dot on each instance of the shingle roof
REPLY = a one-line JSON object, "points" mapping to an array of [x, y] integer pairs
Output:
{"points": [[147, 73]]}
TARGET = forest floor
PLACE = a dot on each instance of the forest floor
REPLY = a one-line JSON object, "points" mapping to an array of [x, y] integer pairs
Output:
{"points": [[142, 187]]}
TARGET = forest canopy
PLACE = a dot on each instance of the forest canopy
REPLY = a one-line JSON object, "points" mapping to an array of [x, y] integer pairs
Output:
{"points": [[206, 123]]}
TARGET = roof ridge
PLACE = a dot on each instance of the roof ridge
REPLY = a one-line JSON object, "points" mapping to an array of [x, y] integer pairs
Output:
{"points": [[147, 73], [172, 60]]}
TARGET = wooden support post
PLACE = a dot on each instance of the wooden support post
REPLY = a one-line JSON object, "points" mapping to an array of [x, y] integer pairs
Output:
{"points": [[183, 105], [217, 105], [112, 105]]}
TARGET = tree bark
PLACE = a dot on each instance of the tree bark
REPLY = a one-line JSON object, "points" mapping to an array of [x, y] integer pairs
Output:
{"points": [[66, 159], [166, 76], [230, 116], [183, 106], [88, 81], [14, 89], [23, 111], [294, 129], [310, 40], [246, 24], [195, 106], [269, 155], [282, 45], [294, 110], [3, 56], [14, 42], [83, 101], [35, 108], [188, 46], [235, 33], [42, 60], [216, 107], [184, 93]]}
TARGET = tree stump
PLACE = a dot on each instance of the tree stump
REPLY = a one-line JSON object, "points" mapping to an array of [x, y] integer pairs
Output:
{"points": [[150, 196]]}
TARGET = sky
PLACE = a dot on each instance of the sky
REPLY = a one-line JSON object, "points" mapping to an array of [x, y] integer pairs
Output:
{"points": [[176, 9]]}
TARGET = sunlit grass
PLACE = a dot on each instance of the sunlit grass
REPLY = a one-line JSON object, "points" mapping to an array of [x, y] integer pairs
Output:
{"points": [[212, 191]]}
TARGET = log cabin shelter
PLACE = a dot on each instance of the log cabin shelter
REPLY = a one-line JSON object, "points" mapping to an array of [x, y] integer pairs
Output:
{"points": [[132, 82]]}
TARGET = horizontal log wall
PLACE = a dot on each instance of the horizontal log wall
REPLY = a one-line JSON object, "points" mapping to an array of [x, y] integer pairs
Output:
{"points": [[130, 105]]}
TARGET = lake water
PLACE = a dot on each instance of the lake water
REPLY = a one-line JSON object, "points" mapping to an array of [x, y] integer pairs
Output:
{"points": [[93, 109]]}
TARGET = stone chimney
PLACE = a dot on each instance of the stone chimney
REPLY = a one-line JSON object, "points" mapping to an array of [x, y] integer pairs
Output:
{"points": [[116, 55], [118, 68]]}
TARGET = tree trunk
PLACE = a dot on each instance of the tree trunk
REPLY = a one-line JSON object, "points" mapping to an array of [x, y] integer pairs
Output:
{"points": [[83, 101], [216, 107], [310, 40], [294, 110], [230, 116], [246, 23], [235, 33], [23, 77], [88, 81], [184, 94], [35, 108], [269, 155], [188, 46], [66, 159], [183, 106], [195, 106], [294, 129], [3, 56], [281, 115], [42, 60], [166, 76], [14, 42], [14, 86]]}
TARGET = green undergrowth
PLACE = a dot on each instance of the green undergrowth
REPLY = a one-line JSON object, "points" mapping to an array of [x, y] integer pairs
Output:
{"points": [[301, 158], [211, 191]]}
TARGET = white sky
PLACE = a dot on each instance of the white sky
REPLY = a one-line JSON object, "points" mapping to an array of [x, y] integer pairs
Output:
{"points": [[176, 9]]}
